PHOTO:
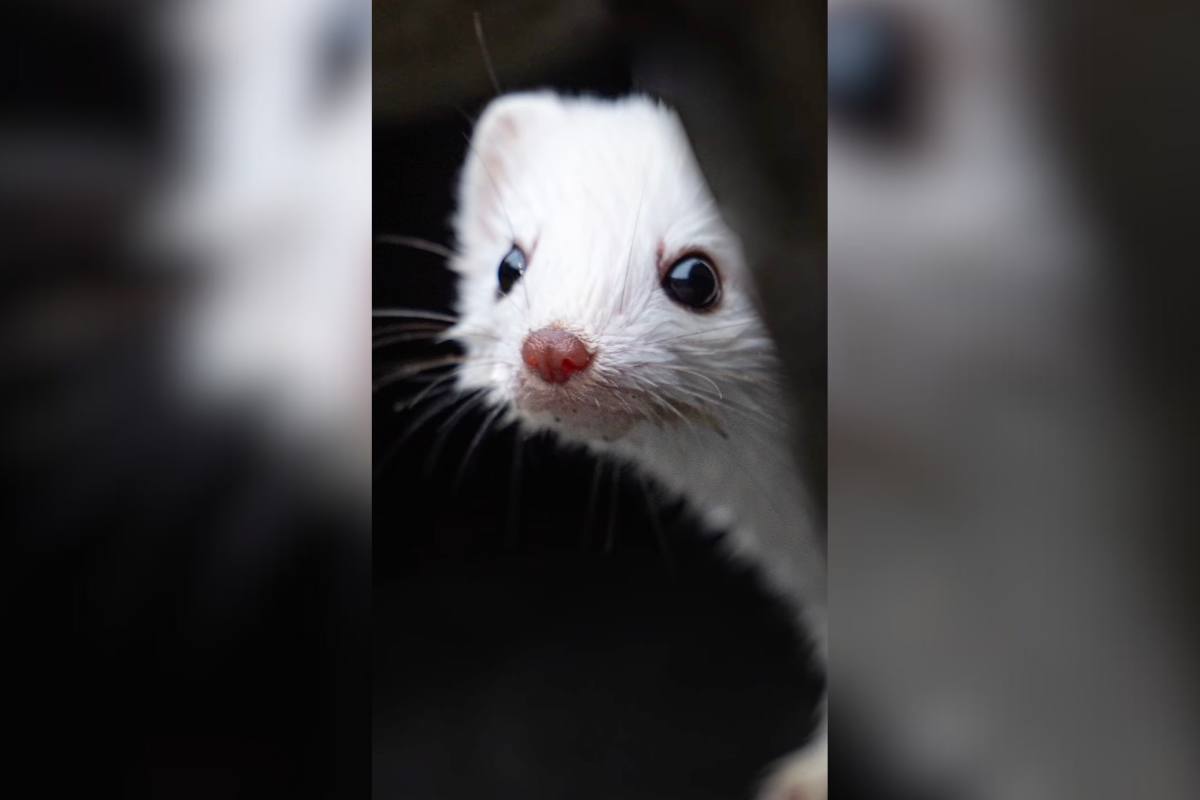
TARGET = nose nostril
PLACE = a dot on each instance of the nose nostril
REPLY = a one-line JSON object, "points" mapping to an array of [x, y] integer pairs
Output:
{"points": [[555, 354]]}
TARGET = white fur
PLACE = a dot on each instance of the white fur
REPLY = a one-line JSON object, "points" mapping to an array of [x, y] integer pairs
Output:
{"points": [[594, 191], [997, 619], [272, 199]]}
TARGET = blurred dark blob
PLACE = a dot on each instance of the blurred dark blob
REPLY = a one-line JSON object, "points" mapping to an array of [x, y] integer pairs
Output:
{"points": [[185, 606], [343, 48], [871, 63]]}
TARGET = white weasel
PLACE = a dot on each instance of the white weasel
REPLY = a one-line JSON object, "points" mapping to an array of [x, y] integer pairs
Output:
{"points": [[601, 296]]}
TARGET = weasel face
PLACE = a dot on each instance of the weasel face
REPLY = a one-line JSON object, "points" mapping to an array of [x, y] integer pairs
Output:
{"points": [[600, 290]]}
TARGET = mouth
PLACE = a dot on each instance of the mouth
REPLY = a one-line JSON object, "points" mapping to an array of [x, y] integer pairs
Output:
{"points": [[581, 409], [593, 411]]}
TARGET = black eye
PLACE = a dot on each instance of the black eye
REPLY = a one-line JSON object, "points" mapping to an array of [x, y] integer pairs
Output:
{"points": [[870, 70], [692, 282], [511, 269]]}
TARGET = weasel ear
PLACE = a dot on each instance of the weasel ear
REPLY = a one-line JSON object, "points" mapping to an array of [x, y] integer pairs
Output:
{"points": [[498, 144]]}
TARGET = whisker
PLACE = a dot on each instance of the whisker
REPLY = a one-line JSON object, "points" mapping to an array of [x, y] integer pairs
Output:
{"points": [[487, 58], [749, 375], [385, 332], [705, 332], [413, 313], [430, 377], [452, 331], [441, 393], [511, 531], [768, 423], [436, 409], [656, 396], [400, 338], [633, 238], [610, 536], [700, 375], [660, 536], [428, 391], [751, 413], [395, 446], [449, 424], [475, 441], [469, 119], [586, 531], [415, 325], [416, 243], [615, 390], [456, 332], [416, 369]]}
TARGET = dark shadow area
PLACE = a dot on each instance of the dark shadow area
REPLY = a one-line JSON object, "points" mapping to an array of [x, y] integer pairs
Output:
{"points": [[183, 615]]}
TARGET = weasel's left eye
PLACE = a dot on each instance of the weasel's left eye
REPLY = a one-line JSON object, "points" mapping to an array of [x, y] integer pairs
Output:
{"points": [[511, 269], [693, 282]]}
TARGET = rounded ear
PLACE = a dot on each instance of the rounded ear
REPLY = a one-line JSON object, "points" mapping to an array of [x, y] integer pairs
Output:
{"points": [[494, 156]]}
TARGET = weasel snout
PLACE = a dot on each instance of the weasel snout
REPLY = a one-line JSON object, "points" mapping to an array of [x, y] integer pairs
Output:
{"points": [[555, 354]]}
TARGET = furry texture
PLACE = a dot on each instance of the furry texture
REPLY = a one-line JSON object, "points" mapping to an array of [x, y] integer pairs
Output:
{"points": [[272, 197], [603, 197]]}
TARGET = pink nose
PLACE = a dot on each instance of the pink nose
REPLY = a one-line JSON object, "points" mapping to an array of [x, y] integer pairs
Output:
{"points": [[555, 354]]}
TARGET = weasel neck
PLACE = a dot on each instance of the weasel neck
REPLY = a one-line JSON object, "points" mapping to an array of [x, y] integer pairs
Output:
{"points": [[742, 479]]}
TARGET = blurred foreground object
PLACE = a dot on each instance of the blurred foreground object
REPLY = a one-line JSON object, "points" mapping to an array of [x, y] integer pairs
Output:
{"points": [[273, 202], [187, 220], [1003, 623]]}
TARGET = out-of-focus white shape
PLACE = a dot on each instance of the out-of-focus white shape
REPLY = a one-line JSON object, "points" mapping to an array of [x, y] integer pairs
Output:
{"points": [[993, 608], [272, 205]]}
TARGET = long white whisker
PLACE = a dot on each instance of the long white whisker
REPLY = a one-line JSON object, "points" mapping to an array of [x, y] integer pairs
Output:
{"points": [[413, 313], [475, 441], [428, 391], [704, 332], [694, 373], [400, 338], [487, 58], [416, 243], [448, 426], [610, 536], [436, 409], [416, 369], [659, 535], [429, 414], [633, 237], [514, 493], [378, 328], [589, 513]]}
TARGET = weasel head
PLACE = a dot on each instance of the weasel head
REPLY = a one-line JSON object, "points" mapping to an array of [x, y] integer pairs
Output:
{"points": [[599, 290]]}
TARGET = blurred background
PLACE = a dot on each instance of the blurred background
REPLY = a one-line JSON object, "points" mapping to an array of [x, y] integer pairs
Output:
{"points": [[1012, 562], [186, 584]]}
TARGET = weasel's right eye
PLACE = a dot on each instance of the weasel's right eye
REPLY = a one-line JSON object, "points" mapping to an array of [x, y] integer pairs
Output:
{"points": [[511, 269], [693, 282]]}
